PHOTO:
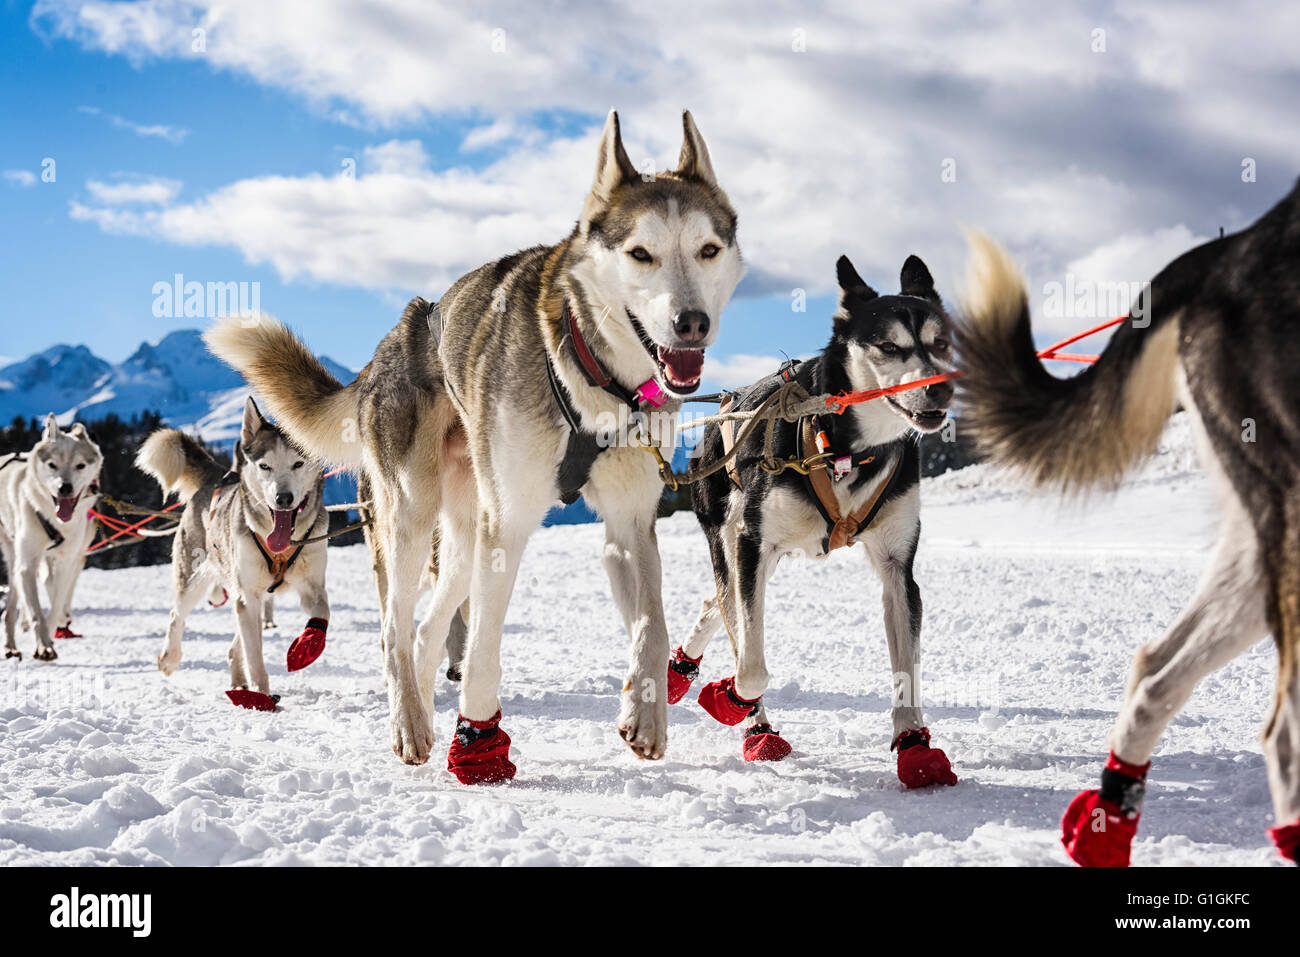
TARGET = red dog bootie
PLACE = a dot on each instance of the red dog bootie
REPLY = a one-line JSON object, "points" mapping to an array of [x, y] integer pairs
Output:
{"points": [[720, 700], [681, 672], [764, 744], [308, 646], [1099, 826], [253, 700], [1287, 840], [920, 765], [225, 597], [480, 752], [65, 631]]}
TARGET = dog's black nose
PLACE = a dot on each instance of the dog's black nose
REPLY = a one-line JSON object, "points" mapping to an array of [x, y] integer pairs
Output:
{"points": [[284, 499], [65, 489], [692, 326], [940, 393]]}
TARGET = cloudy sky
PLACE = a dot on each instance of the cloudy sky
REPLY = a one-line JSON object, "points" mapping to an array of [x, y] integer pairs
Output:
{"points": [[347, 155]]}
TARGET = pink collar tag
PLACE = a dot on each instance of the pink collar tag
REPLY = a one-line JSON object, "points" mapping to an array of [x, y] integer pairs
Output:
{"points": [[649, 391]]}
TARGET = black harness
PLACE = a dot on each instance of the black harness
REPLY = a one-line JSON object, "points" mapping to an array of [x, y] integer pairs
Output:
{"points": [[583, 447]]}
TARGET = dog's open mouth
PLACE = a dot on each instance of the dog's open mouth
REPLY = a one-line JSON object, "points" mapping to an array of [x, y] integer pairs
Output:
{"points": [[926, 421], [682, 368], [282, 533], [64, 504]]}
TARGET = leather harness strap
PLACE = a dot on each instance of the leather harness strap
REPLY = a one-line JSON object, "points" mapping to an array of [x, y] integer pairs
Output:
{"points": [[843, 528], [728, 430], [277, 563]]}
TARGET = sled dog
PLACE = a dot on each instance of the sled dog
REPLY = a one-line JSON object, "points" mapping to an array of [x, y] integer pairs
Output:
{"points": [[45, 499], [865, 487], [478, 414], [1218, 335], [240, 534]]}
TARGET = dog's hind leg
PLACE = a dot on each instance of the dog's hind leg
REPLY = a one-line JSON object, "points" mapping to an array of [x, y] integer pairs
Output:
{"points": [[450, 588], [1226, 617], [1282, 731]]}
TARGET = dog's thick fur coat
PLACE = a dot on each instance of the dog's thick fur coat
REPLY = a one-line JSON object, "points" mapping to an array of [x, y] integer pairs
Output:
{"points": [[1220, 335], [50, 489], [459, 437], [214, 549]]}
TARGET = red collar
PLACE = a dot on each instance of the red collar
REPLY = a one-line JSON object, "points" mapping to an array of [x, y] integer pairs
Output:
{"points": [[648, 391]]}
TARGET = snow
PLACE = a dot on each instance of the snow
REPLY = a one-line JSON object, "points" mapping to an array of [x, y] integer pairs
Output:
{"points": [[1032, 613]]}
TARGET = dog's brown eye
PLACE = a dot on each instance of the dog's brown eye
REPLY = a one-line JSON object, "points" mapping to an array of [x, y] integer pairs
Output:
{"points": [[639, 254], [263, 466], [710, 250], [80, 466], [51, 465], [297, 465], [888, 348], [940, 345]]}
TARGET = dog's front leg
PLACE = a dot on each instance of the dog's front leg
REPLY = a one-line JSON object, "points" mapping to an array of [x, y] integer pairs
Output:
{"points": [[248, 619], [632, 563], [30, 596], [919, 765]]}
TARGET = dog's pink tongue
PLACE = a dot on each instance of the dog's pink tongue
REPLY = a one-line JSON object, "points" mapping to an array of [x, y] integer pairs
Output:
{"points": [[65, 507], [280, 536], [684, 366]]}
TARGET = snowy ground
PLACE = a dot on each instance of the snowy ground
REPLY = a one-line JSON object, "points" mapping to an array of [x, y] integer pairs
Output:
{"points": [[1032, 614]]}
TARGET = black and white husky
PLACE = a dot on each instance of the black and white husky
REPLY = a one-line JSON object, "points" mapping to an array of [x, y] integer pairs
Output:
{"points": [[868, 492], [1218, 335], [241, 533], [45, 500]]}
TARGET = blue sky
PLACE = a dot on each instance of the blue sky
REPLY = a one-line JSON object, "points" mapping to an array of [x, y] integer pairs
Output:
{"points": [[473, 134]]}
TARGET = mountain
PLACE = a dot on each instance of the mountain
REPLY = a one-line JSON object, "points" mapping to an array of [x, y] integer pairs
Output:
{"points": [[175, 376]]}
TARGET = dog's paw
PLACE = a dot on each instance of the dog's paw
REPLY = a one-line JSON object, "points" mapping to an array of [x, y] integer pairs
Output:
{"points": [[169, 661], [412, 735], [644, 725], [43, 653], [13, 653]]}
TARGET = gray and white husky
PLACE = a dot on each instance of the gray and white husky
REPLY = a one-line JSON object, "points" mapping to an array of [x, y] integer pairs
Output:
{"points": [[240, 533], [1218, 334], [866, 488], [478, 414], [45, 500]]}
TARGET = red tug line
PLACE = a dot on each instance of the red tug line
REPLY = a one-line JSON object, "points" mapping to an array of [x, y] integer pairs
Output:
{"points": [[837, 403]]}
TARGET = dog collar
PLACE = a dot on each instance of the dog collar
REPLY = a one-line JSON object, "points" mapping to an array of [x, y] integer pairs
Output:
{"points": [[649, 392]]}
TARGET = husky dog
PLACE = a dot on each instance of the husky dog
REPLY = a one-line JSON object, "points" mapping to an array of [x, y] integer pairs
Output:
{"points": [[45, 500], [240, 533], [478, 414], [1219, 334], [865, 488]]}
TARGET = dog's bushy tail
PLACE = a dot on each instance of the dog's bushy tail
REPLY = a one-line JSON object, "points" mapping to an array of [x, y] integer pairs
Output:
{"points": [[179, 463], [316, 410], [1069, 434]]}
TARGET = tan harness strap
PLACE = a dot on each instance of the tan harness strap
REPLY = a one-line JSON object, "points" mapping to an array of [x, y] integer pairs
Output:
{"points": [[844, 527], [728, 429]]}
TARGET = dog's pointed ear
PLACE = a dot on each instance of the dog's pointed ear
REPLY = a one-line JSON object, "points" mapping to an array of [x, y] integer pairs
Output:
{"points": [[252, 422], [915, 280], [694, 162], [613, 168], [852, 286], [237, 457], [78, 430], [51, 428]]}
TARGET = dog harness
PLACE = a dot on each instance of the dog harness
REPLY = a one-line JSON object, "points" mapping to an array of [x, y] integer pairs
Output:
{"points": [[819, 483], [277, 563], [583, 447]]}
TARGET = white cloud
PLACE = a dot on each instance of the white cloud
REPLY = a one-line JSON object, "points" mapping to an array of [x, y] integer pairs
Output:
{"points": [[154, 191], [172, 134], [1057, 149], [20, 177], [739, 369]]}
